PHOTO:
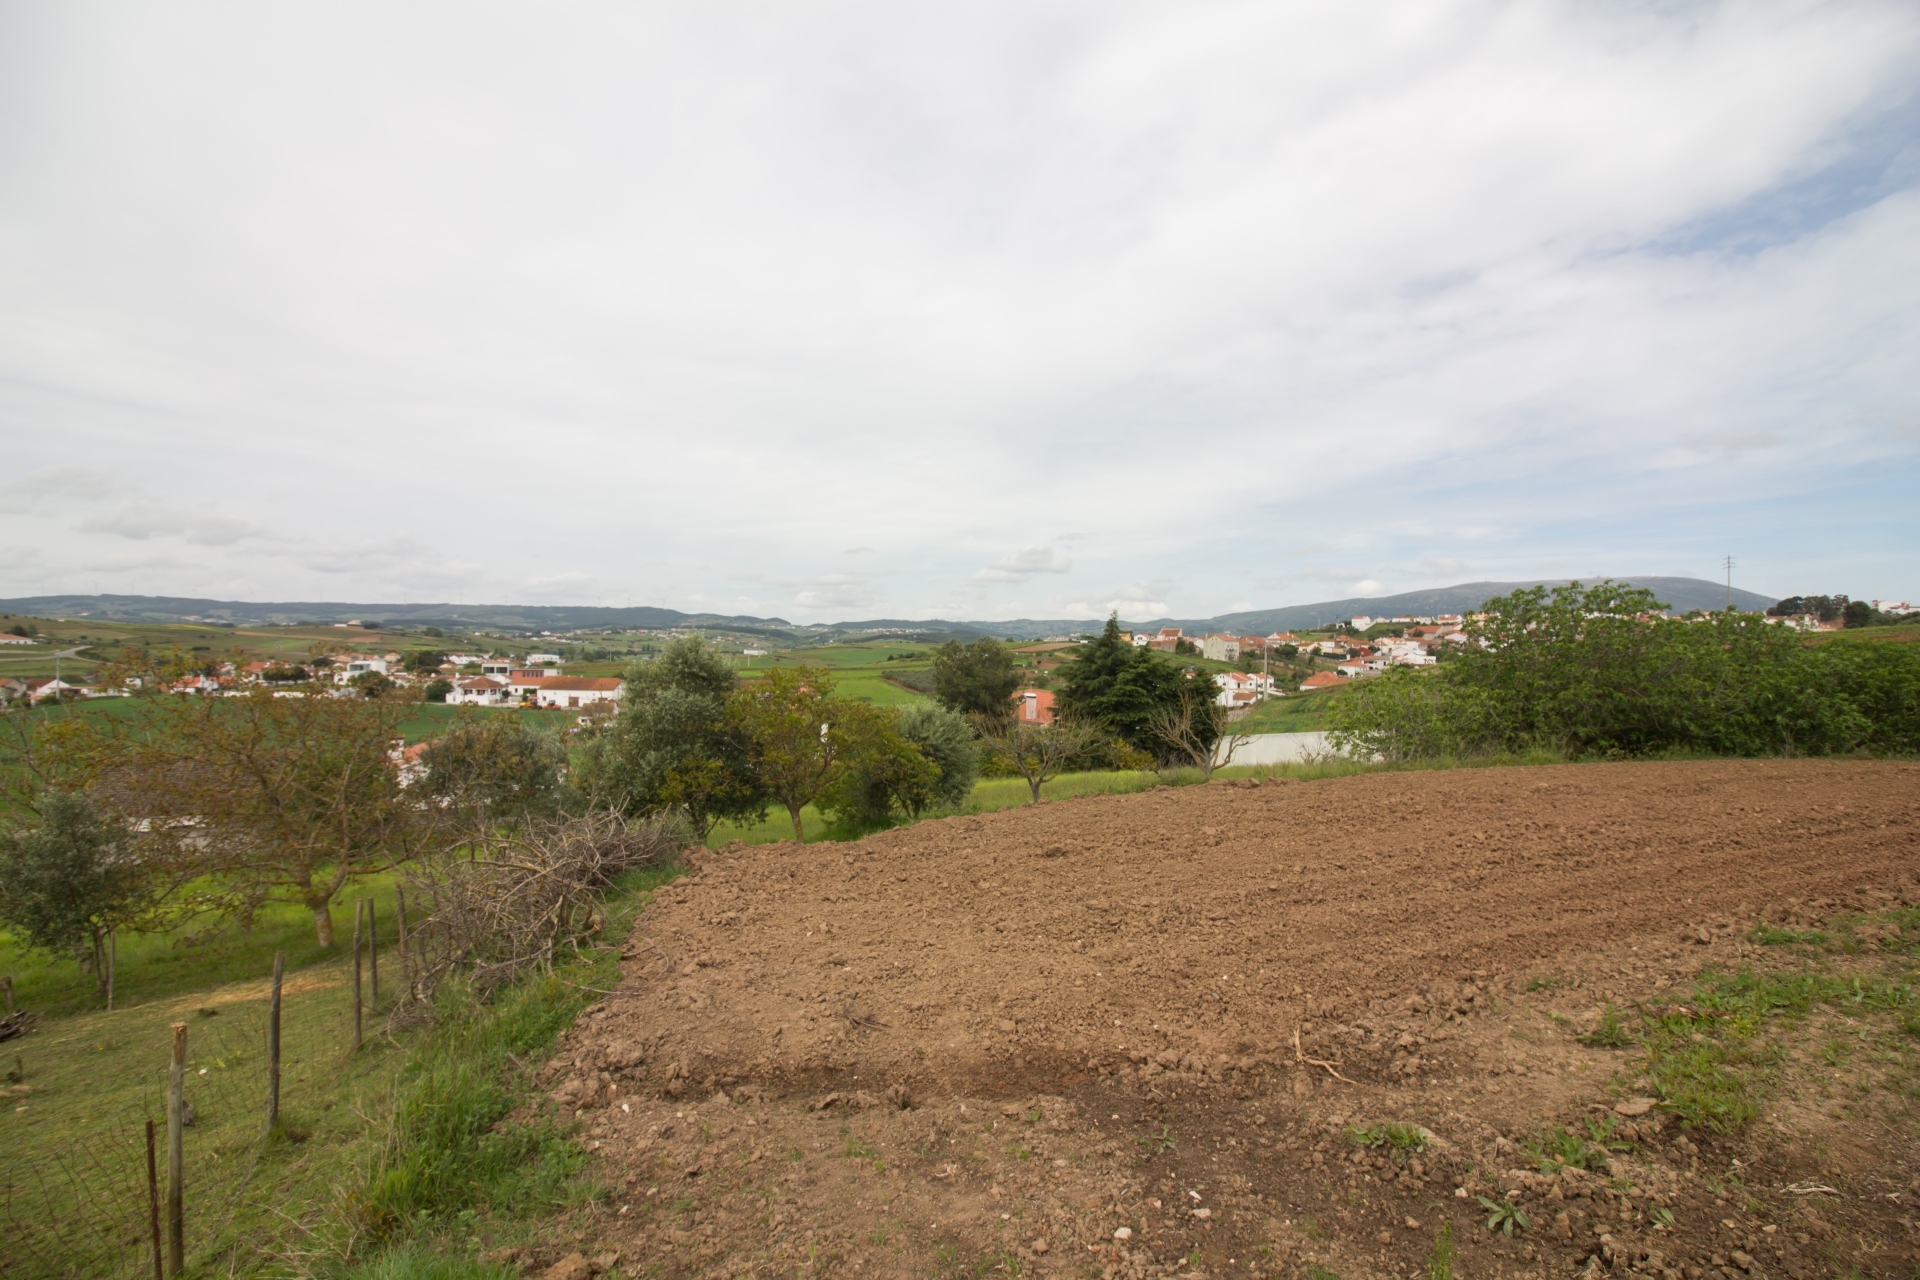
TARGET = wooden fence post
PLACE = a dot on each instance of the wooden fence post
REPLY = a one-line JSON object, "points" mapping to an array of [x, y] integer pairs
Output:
{"points": [[153, 1203], [400, 921], [373, 953], [359, 914], [177, 1153], [113, 951], [273, 1043]]}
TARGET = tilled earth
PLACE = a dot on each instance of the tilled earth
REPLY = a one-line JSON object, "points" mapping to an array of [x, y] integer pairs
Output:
{"points": [[1135, 1035]]}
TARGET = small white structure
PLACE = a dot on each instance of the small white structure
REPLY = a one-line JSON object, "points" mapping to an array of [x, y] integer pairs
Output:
{"points": [[1361, 622], [498, 668], [16, 639], [543, 659]]}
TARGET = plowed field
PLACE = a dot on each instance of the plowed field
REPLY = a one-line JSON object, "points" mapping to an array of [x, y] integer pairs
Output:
{"points": [[997, 1041]]}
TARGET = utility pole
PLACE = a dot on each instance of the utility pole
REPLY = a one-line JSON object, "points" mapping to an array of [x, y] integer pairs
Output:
{"points": [[1729, 565]]}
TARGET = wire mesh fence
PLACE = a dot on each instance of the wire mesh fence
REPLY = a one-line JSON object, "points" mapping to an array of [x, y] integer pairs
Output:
{"points": [[82, 1202]]}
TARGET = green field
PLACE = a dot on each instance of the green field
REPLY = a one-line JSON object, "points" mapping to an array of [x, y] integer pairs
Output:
{"points": [[859, 670], [1295, 713]]}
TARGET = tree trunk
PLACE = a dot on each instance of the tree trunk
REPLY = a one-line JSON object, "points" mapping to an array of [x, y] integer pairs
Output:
{"points": [[322, 908], [799, 832], [1033, 782]]}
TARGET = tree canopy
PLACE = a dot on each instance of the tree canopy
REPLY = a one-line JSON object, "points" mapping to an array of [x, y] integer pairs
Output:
{"points": [[672, 745], [975, 679], [1128, 690], [1603, 670]]}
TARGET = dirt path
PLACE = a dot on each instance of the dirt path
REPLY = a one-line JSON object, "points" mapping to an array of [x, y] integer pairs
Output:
{"points": [[1099, 966]]}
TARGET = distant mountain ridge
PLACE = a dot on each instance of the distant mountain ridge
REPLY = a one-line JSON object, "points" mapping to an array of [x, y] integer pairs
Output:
{"points": [[1681, 594]]}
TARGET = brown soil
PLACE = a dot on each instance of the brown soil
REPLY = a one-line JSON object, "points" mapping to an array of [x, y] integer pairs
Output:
{"points": [[995, 1041]]}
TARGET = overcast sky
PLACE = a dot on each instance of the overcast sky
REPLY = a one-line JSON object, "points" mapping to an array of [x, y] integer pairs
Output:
{"points": [[981, 311]]}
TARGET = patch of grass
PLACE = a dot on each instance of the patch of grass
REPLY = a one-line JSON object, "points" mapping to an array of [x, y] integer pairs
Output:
{"points": [[1551, 982], [858, 1150], [1610, 1032], [1707, 1060], [1559, 1148], [1440, 1257], [1768, 935], [159, 966], [1403, 1139], [420, 1261]]}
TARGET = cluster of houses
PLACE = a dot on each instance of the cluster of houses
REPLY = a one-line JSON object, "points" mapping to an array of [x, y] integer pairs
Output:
{"points": [[500, 683]]}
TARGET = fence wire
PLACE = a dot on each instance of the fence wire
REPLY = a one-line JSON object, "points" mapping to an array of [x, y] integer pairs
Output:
{"points": [[82, 1208]]}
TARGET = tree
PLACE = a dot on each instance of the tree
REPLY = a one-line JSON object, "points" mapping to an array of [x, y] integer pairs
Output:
{"points": [[1194, 730], [946, 740], [1035, 752], [799, 735], [975, 679], [889, 758], [371, 684], [671, 744], [1858, 613], [493, 769], [69, 880], [264, 795], [1128, 690], [423, 662], [437, 690]]}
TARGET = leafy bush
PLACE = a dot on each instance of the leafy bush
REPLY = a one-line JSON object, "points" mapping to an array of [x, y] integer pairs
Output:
{"points": [[1601, 670]]}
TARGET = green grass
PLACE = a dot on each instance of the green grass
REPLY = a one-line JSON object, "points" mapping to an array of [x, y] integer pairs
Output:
{"points": [[430, 719], [195, 956], [1712, 1065], [420, 1261], [1295, 713], [400, 1144]]}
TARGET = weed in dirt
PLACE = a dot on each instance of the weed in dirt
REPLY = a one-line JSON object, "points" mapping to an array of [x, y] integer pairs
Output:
{"points": [[1663, 1218], [1558, 1149], [1316, 1272], [1399, 1138], [1440, 1257], [858, 1150], [1158, 1143], [1550, 982], [1610, 1032], [1504, 1216]]}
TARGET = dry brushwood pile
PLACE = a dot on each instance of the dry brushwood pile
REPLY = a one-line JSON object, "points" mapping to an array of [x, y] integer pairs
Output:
{"points": [[1294, 1028], [502, 903]]}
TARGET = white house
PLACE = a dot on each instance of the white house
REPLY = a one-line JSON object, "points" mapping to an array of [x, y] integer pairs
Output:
{"points": [[1361, 622], [543, 659], [480, 691], [571, 691], [498, 668], [1242, 688], [16, 639], [358, 664]]}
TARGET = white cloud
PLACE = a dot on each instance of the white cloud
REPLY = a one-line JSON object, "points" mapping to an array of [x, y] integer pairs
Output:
{"points": [[204, 527], [1366, 587], [1018, 566]]}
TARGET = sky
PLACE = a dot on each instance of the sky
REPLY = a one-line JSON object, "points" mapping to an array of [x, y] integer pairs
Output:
{"points": [[831, 311]]}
